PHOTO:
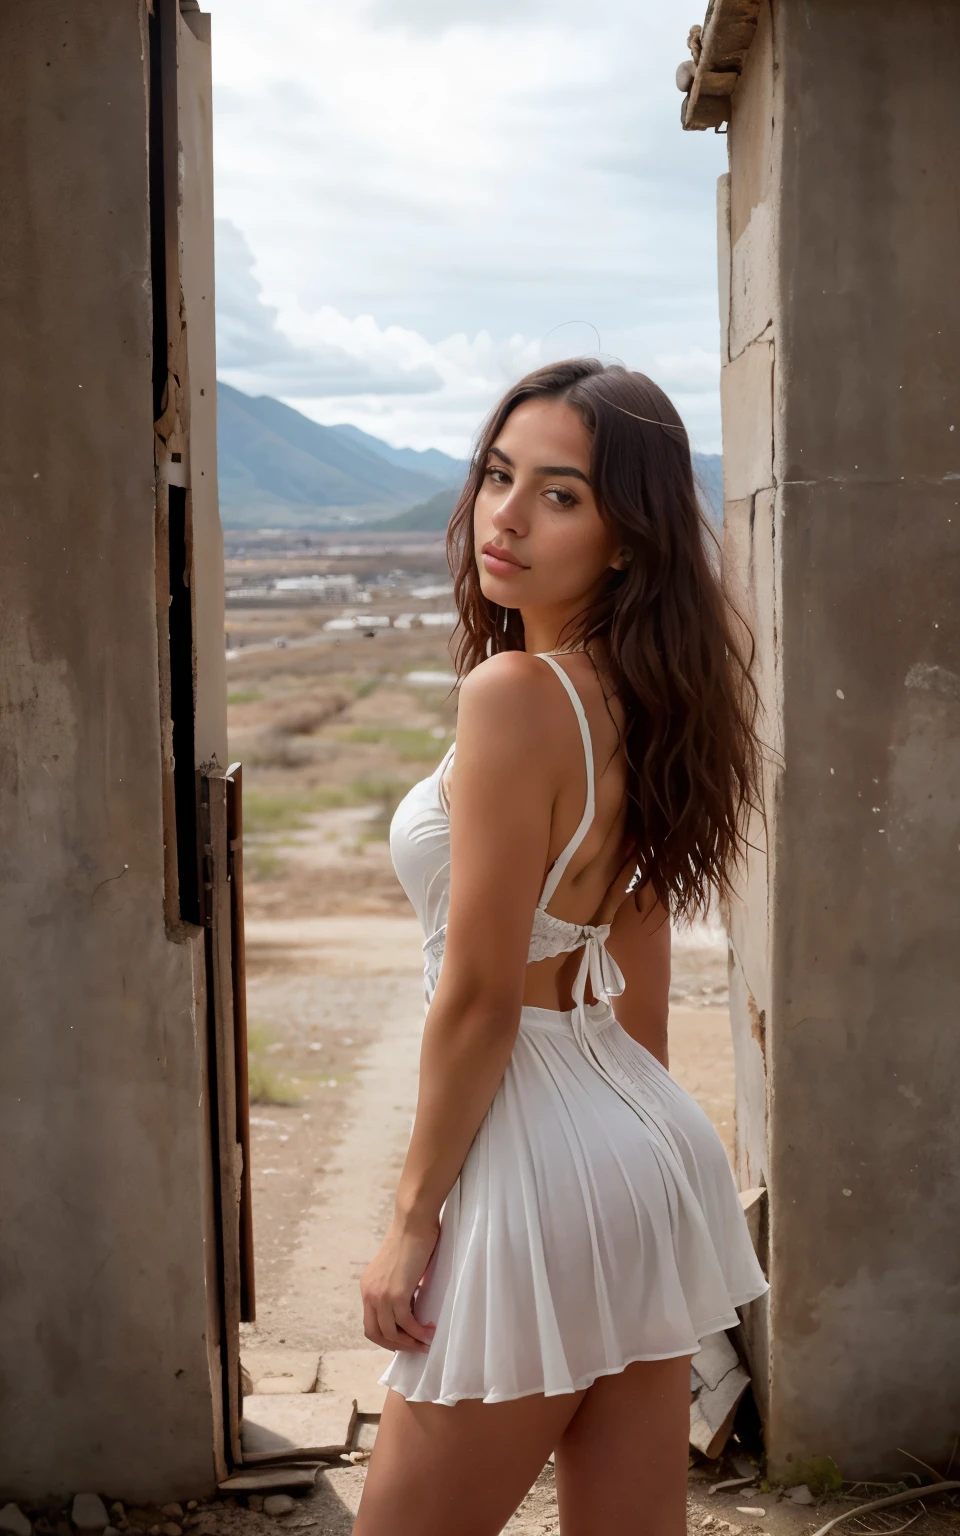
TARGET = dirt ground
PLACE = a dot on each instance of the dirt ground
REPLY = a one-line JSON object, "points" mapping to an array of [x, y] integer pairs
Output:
{"points": [[332, 730]]}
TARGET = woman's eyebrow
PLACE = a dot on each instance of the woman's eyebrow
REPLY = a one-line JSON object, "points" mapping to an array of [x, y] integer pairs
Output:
{"points": [[544, 469], [562, 469]]}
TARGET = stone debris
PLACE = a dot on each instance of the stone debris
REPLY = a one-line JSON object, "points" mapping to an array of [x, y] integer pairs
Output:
{"points": [[800, 1495], [279, 1371], [279, 1504], [117, 1512], [175, 1511], [171, 1528], [89, 1513], [744, 1509], [13, 1519], [276, 1426], [111, 1530], [731, 1484], [718, 1382]]}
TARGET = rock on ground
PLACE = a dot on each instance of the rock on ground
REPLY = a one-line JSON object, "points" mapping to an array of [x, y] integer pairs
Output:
{"points": [[89, 1512], [279, 1504], [13, 1519]]}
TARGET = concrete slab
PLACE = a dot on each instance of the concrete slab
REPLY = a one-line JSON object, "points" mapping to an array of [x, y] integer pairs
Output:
{"points": [[280, 1370], [279, 1425], [354, 1372]]}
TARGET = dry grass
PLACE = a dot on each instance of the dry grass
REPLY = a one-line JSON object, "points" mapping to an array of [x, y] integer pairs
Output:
{"points": [[330, 727], [267, 1085]]}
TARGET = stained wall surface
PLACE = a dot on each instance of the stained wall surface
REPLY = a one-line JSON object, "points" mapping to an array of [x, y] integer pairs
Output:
{"points": [[104, 1154], [845, 534]]}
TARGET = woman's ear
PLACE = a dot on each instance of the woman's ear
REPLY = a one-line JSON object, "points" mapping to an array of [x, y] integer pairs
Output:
{"points": [[622, 558]]}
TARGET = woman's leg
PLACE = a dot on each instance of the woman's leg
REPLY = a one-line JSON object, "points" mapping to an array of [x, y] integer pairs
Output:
{"points": [[622, 1460], [458, 1471]]}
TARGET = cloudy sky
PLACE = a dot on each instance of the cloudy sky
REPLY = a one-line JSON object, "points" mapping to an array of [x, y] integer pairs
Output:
{"points": [[419, 200]]}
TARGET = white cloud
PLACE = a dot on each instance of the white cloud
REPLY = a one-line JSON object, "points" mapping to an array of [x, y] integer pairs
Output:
{"points": [[260, 349], [432, 192]]}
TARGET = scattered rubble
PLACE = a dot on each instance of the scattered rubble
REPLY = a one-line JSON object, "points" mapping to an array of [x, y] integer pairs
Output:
{"points": [[279, 1504], [89, 1513], [800, 1495], [718, 1382], [13, 1519], [279, 1371]]}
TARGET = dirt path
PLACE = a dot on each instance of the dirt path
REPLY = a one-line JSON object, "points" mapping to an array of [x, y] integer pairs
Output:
{"points": [[346, 992]]}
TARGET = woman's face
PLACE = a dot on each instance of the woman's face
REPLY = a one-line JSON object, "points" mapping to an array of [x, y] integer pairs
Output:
{"points": [[539, 539]]}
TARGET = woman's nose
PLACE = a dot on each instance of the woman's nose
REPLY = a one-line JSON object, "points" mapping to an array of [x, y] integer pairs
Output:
{"points": [[508, 517]]}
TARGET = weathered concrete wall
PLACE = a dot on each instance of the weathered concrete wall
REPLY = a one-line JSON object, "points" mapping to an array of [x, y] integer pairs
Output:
{"points": [[197, 269], [849, 930], [748, 214], [104, 1158]]}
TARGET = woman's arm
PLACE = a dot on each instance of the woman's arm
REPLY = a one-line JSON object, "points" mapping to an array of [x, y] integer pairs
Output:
{"points": [[640, 943], [504, 787]]}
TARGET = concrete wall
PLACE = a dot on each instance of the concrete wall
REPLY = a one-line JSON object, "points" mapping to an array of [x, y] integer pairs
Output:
{"points": [[105, 1379], [844, 337]]}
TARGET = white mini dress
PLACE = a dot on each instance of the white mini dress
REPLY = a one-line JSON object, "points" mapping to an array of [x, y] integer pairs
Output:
{"points": [[595, 1221]]}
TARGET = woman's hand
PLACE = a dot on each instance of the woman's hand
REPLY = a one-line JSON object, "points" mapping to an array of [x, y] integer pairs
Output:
{"points": [[387, 1286]]}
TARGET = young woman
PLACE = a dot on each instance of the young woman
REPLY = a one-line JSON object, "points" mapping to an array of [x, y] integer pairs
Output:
{"points": [[566, 1227]]}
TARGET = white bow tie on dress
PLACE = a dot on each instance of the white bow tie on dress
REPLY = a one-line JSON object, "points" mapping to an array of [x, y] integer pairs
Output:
{"points": [[599, 968]]}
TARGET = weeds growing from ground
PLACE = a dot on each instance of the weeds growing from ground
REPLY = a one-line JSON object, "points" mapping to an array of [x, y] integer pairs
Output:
{"points": [[267, 1085]]}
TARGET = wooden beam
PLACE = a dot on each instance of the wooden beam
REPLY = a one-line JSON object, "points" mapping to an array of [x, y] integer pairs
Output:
{"points": [[728, 30]]}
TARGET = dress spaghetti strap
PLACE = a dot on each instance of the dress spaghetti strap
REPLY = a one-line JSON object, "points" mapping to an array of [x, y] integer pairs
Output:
{"points": [[556, 870]]}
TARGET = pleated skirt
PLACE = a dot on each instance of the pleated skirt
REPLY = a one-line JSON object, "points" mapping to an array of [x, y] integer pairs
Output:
{"points": [[595, 1222]]}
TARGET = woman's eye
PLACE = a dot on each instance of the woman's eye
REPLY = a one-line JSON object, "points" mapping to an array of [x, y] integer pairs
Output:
{"points": [[498, 476], [564, 498]]}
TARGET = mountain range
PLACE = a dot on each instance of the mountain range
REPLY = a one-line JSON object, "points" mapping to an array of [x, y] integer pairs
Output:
{"points": [[279, 469]]}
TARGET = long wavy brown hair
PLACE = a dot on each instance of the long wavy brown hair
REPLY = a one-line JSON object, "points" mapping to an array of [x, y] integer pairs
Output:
{"points": [[663, 633]]}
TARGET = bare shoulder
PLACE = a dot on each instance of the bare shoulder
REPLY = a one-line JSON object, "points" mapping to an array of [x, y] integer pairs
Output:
{"points": [[510, 687], [508, 715]]}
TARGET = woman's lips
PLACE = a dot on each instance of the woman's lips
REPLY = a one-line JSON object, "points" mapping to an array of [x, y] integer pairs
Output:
{"points": [[500, 562]]}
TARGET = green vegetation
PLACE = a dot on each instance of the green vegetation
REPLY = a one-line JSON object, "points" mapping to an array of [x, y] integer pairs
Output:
{"points": [[430, 516], [267, 816], [260, 863], [267, 1086], [389, 793], [265, 812], [251, 696], [363, 690], [821, 1475], [410, 746]]}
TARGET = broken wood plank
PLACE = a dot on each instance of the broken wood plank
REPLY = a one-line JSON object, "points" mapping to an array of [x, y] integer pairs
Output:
{"points": [[263, 1479]]}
